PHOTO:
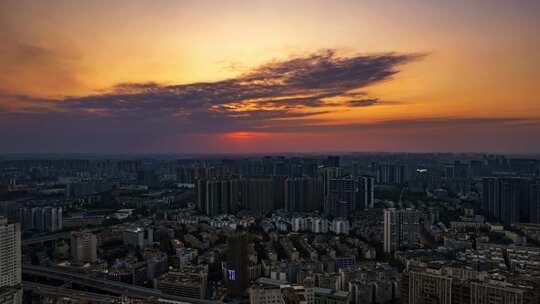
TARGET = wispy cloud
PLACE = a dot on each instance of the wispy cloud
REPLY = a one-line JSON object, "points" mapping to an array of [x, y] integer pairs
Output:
{"points": [[407, 124], [28, 66]]}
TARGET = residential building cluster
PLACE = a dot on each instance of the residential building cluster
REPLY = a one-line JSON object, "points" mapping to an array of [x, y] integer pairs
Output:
{"points": [[356, 228]]}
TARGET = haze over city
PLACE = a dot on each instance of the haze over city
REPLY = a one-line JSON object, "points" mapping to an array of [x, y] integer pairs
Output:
{"points": [[280, 76]]}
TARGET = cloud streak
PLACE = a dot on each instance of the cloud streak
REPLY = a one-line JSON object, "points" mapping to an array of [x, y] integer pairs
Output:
{"points": [[297, 87], [276, 96]]}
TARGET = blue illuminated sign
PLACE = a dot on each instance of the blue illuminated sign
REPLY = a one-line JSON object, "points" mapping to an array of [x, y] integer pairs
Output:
{"points": [[232, 274]]}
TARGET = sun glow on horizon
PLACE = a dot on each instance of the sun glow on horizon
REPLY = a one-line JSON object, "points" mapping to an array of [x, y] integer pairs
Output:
{"points": [[246, 135]]}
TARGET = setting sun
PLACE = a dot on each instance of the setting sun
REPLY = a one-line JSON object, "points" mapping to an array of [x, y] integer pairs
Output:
{"points": [[240, 135]]}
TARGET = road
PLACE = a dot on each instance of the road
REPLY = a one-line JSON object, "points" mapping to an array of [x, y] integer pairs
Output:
{"points": [[52, 237], [46, 238], [114, 287], [77, 295]]}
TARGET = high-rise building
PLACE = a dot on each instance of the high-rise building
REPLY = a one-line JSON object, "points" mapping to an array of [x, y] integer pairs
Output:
{"points": [[457, 170], [332, 161], [52, 218], [365, 196], [201, 187], [476, 168], [83, 247], [340, 226], [148, 178], [302, 194], [186, 175], [10, 261], [43, 219], [341, 197], [11, 295], [509, 200], [534, 201], [309, 167], [278, 189], [237, 271], [207, 199], [401, 228], [257, 194], [348, 194], [326, 175], [221, 196], [218, 196], [506, 199], [27, 218], [391, 174], [491, 196]]}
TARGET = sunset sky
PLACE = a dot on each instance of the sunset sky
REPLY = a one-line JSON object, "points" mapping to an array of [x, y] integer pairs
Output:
{"points": [[269, 76]]}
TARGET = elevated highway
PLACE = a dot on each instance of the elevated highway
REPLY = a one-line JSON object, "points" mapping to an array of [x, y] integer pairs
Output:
{"points": [[114, 287]]}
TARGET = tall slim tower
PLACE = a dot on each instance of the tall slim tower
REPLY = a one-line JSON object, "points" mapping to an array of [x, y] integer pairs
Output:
{"points": [[341, 196], [237, 271], [534, 201], [10, 259], [365, 194]]}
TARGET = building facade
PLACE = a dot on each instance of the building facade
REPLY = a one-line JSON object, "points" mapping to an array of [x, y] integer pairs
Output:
{"points": [[83, 247], [10, 262], [401, 228]]}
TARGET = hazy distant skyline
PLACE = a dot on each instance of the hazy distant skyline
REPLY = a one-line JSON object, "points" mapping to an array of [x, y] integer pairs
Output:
{"points": [[259, 76]]}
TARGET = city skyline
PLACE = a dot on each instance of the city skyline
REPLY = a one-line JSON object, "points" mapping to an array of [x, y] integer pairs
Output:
{"points": [[314, 229], [254, 77]]}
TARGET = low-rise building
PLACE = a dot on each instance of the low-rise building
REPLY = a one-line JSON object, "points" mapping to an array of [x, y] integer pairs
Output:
{"points": [[191, 282]]}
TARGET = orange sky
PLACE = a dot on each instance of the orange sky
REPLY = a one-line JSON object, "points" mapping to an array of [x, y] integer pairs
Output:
{"points": [[481, 59]]}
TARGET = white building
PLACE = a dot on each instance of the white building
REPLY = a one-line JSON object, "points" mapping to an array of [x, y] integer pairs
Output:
{"points": [[298, 224], [43, 219], [340, 226], [52, 218], [10, 254], [319, 225]]}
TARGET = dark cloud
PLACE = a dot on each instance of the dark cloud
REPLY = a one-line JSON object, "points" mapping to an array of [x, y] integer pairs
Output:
{"points": [[280, 94], [363, 102], [135, 88], [407, 124], [281, 89], [290, 89]]}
